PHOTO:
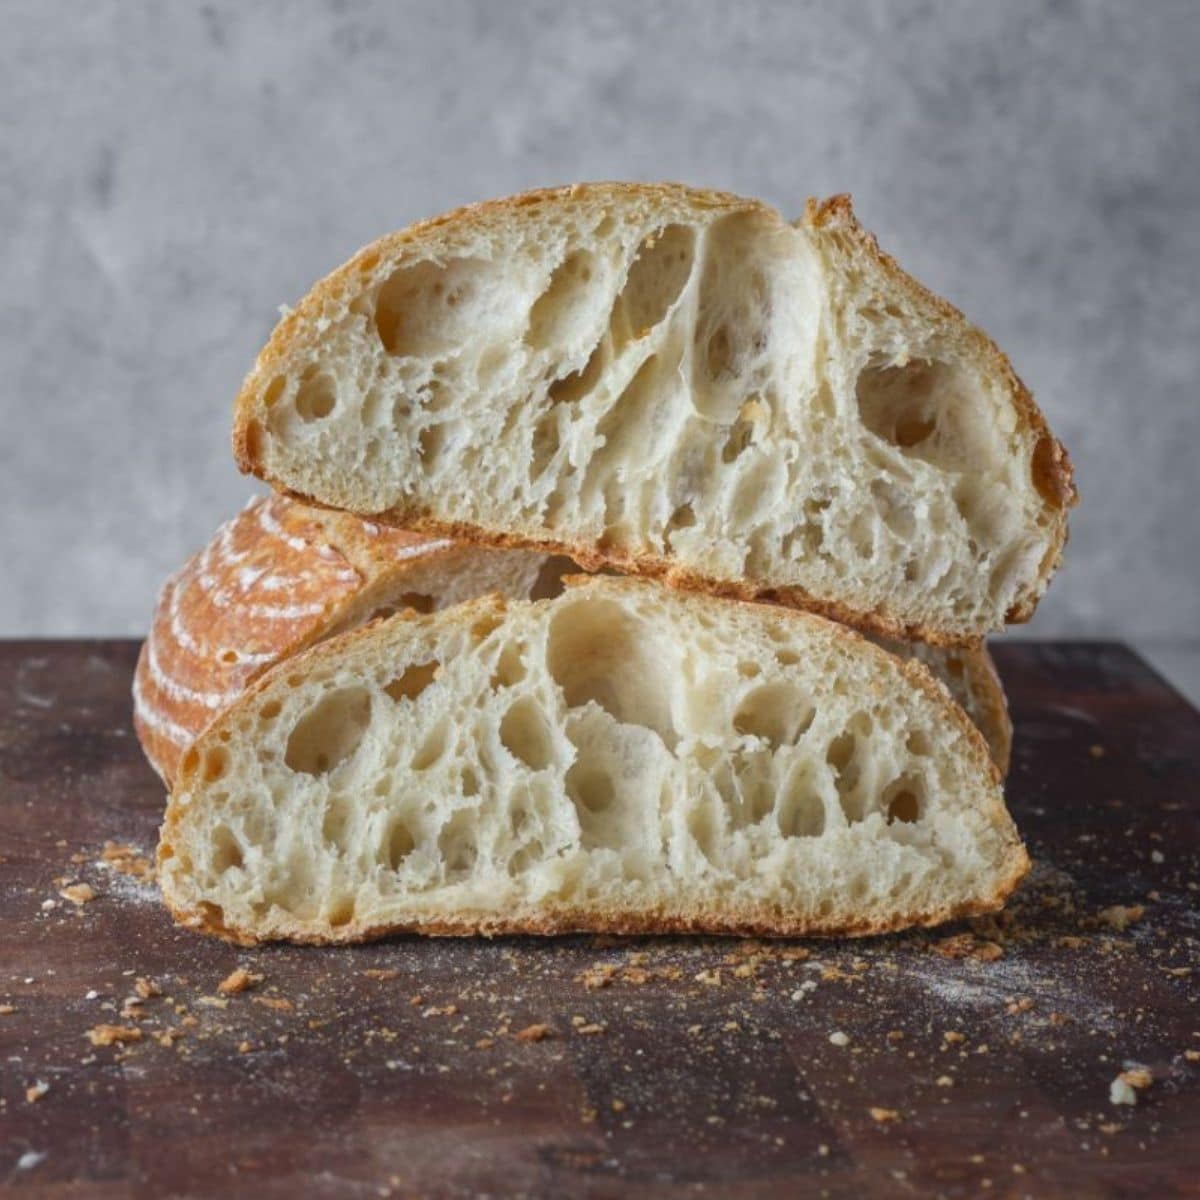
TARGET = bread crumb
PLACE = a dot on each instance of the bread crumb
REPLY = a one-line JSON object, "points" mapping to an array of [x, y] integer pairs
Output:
{"points": [[279, 1003], [1124, 1089], [953, 1037], [1121, 916], [34, 1093], [1156, 857], [7, 1010], [1192, 1055], [967, 945], [711, 978], [599, 975], [944, 1081], [1096, 751], [168, 1037], [213, 1002], [244, 1047], [113, 1035], [884, 1116], [382, 973], [534, 1033], [146, 988], [592, 1027], [239, 980], [838, 1038], [618, 1105], [78, 893], [125, 860], [1023, 1005], [485, 1043]]}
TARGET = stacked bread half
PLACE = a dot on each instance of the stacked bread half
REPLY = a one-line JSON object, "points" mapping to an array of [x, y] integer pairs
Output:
{"points": [[585, 501]]}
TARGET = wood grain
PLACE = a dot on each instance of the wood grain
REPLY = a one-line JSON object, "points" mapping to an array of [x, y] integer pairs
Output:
{"points": [[396, 1069]]}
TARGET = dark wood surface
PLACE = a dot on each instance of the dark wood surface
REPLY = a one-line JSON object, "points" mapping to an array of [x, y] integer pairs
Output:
{"points": [[713, 1073]]}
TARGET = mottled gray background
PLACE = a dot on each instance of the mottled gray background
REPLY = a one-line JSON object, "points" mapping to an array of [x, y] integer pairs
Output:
{"points": [[170, 174]]}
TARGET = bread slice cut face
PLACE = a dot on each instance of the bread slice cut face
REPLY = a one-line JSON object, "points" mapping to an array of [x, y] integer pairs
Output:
{"points": [[623, 757], [279, 577], [676, 383]]}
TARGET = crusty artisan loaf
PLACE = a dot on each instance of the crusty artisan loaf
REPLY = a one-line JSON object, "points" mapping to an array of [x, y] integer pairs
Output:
{"points": [[282, 576], [677, 383], [277, 578], [623, 757]]}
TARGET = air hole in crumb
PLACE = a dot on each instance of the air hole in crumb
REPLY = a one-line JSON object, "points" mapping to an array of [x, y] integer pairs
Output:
{"points": [[227, 851], [486, 624], [590, 787], [456, 843], [273, 391], [422, 309], [216, 762], [801, 812], [436, 743], [1049, 475], [560, 311], [525, 734], [413, 681], [333, 826], [469, 782], [918, 743], [574, 386], [316, 397], [430, 442], [775, 712], [399, 844], [270, 710], [330, 732], [229, 656], [749, 670], [510, 668], [656, 279], [902, 802], [342, 913], [253, 441], [600, 653], [417, 601], [684, 517]]}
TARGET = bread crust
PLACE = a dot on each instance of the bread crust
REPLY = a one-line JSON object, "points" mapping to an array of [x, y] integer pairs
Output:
{"points": [[556, 919], [832, 218]]}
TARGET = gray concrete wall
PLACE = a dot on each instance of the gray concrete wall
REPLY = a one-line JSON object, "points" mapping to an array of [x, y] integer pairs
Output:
{"points": [[170, 174]]}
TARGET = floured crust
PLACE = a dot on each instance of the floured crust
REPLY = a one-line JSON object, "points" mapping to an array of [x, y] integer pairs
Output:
{"points": [[275, 579], [555, 918], [832, 219]]}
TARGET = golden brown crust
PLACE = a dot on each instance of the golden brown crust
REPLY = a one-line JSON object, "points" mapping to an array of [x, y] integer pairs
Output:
{"points": [[1051, 467], [555, 919], [989, 695], [273, 580]]}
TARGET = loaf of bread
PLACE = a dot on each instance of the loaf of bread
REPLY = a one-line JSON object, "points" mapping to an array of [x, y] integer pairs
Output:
{"points": [[675, 383], [277, 578], [282, 576], [623, 758]]}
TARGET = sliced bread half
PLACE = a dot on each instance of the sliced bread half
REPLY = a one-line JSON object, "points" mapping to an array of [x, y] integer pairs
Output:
{"points": [[621, 758], [279, 577], [677, 383]]}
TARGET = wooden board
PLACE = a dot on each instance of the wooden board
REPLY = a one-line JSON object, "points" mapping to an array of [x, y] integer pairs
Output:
{"points": [[702, 1066]]}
